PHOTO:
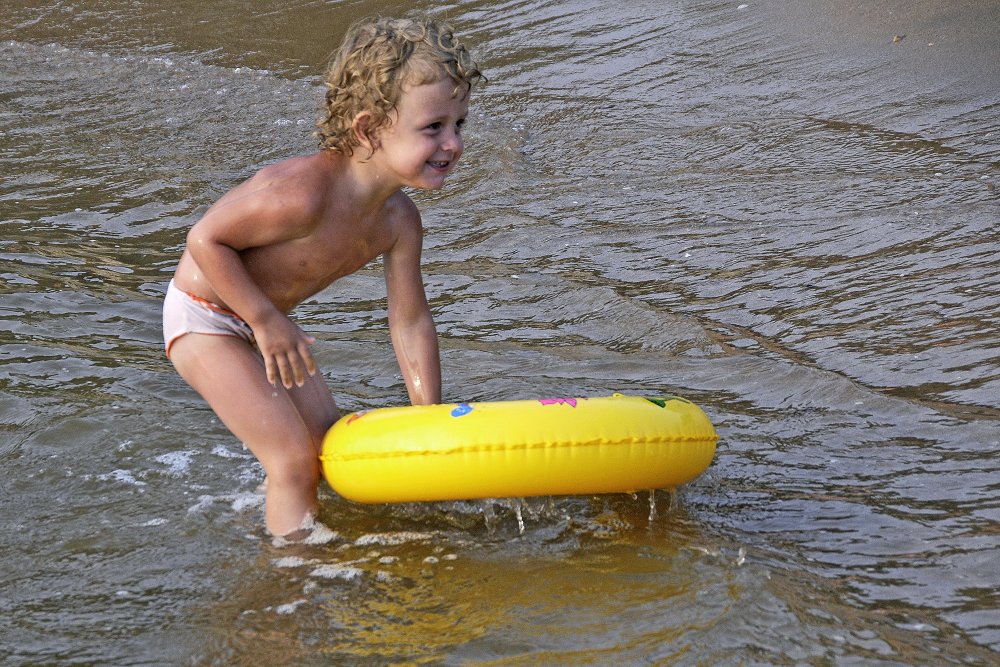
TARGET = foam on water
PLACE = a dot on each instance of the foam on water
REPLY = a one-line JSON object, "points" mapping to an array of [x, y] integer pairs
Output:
{"points": [[122, 477], [224, 452], [289, 607], [393, 539], [177, 463], [238, 502], [338, 571]]}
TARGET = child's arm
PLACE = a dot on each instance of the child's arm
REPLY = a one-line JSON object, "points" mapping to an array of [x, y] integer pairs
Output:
{"points": [[250, 220], [411, 325]]}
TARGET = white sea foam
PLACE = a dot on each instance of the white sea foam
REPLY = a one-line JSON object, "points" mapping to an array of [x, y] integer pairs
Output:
{"points": [[223, 452], [178, 463], [123, 476], [318, 533], [290, 607], [392, 539], [321, 534], [244, 501], [335, 571], [204, 502], [239, 502]]}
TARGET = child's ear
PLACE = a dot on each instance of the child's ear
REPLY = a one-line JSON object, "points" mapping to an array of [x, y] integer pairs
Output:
{"points": [[364, 132]]}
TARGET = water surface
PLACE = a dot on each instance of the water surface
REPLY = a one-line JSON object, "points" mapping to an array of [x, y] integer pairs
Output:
{"points": [[775, 209]]}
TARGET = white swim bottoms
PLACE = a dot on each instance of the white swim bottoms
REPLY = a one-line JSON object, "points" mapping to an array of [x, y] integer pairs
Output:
{"points": [[185, 313]]}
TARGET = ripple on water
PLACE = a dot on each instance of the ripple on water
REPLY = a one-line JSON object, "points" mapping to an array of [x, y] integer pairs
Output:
{"points": [[791, 222]]}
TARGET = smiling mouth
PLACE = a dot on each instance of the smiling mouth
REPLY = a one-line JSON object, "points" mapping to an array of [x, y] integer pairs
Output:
{"points": [[439, 164]]}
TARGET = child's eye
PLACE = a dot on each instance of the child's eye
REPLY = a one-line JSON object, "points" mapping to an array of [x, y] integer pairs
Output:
{"points": [[460, 124], [434, 127]]}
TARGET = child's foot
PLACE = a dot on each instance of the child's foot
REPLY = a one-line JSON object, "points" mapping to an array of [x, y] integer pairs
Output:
{"points": [[310, 532]]}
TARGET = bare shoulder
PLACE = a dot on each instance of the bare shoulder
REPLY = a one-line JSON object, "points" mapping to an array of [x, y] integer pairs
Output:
{"points": [[313, 167], [283, 201], [294, 190], [403, 219], [300, 184]]}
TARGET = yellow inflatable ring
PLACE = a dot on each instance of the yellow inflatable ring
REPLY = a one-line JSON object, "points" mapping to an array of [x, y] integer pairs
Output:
{"points": [[559, 446]]}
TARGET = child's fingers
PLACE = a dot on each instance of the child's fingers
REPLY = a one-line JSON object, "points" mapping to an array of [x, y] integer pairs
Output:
{"points": [[307, 356], [291, 367], [299, 364], [298, 374], [269, 369], [285, 370]]}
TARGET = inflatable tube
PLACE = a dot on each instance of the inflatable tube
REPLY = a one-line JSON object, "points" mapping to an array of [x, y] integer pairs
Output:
{"points": [[562, 446]]}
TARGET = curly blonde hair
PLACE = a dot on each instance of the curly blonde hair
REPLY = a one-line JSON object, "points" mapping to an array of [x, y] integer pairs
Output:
{"points": [[377, 57]]}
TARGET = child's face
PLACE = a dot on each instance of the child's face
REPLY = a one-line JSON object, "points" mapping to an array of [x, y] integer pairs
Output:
{"points": [[424, 140]]}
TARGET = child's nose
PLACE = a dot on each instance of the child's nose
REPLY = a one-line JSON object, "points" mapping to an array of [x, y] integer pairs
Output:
{"points": [[453, 142]]}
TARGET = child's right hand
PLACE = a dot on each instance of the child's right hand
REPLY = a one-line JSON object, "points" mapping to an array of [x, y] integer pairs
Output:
{"points": [[286, 353]]}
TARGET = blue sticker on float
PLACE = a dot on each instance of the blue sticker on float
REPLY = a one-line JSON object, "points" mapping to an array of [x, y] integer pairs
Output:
{"points": [[461, 410]]}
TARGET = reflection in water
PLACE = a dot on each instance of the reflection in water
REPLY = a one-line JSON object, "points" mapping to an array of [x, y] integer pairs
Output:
{"points": [[775, 211]]}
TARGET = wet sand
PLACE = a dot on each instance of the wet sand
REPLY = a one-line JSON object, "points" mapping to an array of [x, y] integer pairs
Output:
{"points": [[957, 41]]}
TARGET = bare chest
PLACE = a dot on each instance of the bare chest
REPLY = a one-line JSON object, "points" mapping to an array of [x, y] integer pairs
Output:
{"points": [[297, 269]]}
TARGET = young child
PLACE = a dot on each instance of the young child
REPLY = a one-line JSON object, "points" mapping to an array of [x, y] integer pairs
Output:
{"points": [[397, 97]]}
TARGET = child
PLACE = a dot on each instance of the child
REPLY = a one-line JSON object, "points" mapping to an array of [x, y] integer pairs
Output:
{"points": [[397, 97]]}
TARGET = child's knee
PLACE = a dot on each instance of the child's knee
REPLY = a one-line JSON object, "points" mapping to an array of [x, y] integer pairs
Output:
{"points": [[301, 469]]}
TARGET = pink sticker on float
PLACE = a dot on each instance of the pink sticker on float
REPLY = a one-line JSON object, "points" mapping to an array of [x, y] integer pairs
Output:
{"points": [[558, 401]]}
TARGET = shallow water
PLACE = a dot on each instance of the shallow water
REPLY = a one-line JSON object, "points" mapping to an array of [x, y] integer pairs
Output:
{"points": [[777, 211]]}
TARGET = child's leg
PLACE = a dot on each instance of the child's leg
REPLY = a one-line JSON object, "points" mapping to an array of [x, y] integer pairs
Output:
{"points": [[316, 406], [283, 428], [317, 409]]}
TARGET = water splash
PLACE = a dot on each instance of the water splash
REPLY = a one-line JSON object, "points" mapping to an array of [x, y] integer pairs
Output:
{"points": [[517, 504], [489, 516]]}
